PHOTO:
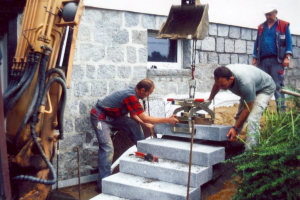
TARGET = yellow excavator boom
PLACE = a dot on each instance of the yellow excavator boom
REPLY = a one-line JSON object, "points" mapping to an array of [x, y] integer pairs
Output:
{"points": [[35, 97]]}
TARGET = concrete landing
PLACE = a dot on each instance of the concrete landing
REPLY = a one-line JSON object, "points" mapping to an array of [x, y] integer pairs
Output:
{"points": [[136, 187], [212, 132], [204, 155], [166, 170], [106, 197]]}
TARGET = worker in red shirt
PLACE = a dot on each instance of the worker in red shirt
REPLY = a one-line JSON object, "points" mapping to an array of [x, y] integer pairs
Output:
{"points": [[112, 111]]}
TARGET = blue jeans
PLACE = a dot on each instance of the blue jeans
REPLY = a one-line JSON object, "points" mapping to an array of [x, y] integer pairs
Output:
{"points": [[106, 148], [276, 71]]}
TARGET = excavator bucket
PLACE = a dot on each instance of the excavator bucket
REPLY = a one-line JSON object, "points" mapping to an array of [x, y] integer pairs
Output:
{"points": [[186, 22]]}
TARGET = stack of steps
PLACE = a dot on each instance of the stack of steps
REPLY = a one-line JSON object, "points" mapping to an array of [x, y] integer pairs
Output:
{"points": [[167, 178]]}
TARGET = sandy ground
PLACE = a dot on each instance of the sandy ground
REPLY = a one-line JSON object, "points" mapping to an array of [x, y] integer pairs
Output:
{"points": [[221, 187]]}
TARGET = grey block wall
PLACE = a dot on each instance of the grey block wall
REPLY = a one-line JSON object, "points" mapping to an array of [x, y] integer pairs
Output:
{"points": [[224, 45], [111, 53]]}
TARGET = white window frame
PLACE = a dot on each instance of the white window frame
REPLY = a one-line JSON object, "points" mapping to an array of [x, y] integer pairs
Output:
{"points": [[169, 65]]}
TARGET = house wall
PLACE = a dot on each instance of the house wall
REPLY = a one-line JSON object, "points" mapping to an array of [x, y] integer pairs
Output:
{"points": [[220, 11], [111, 53]]}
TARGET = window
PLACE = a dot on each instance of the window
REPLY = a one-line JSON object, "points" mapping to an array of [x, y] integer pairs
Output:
{"points": [[163, 53]]}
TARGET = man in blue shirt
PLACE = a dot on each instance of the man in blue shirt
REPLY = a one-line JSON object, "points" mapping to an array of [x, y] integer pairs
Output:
{"points": [[273, 51]]}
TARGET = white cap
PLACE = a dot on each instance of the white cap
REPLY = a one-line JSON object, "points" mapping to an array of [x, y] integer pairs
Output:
{"points": [[269, 8]]}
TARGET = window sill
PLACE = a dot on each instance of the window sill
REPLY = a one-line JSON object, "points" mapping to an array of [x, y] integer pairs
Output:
{"points": [[168, 72]]}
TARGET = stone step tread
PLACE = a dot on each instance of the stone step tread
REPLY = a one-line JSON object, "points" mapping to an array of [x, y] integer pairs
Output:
{"points": [[166, 170], [213, 132], [206, 155], [136, 187], [165, 163], [181, 145], [106, 197]]}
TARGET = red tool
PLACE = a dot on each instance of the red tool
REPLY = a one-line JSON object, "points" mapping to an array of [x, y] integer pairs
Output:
{"points": [[148, 157]]}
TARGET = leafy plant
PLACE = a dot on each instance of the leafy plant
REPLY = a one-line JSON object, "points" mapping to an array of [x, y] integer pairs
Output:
{"points": [[271, 170]]}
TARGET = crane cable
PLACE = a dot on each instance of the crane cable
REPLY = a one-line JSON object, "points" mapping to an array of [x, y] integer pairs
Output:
{"points": [[192, 82]]}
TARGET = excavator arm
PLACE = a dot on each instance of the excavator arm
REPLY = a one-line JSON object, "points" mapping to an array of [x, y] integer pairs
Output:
{"points": [[35, 97]]}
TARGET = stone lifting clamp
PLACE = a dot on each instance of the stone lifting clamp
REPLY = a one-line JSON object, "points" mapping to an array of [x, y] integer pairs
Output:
{"points": [[190, 108]]}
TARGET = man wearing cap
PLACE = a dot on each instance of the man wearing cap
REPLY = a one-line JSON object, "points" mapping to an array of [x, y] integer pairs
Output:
{"points": [[273, 50]]}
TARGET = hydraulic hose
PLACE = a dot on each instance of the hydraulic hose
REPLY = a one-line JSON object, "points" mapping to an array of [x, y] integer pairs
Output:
{"points": [[33, 178], [28, 114], [13, 102], [57, 71], [28, 71], [34, 106], [34, 101], [62, 102], [41, 82], [17, 73], [13, 78], [33, 134]]}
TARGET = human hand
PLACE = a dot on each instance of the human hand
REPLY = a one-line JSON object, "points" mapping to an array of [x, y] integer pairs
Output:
{"points": [[254, 62], [173, 120], [286, 62], [232, 134], [151, 128]]}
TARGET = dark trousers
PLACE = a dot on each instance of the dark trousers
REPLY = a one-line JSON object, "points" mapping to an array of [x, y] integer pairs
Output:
{"points": [[276, 71], [106, 148]]}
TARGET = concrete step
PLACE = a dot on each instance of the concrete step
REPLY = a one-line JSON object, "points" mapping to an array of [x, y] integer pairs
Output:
{"points": [[203, 155], [106, 197], [166, 170], [212, 132], [136, 187]]}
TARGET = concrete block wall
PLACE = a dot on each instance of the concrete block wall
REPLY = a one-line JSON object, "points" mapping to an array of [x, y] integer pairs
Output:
{"points": [[111, 53], [224, 45]]}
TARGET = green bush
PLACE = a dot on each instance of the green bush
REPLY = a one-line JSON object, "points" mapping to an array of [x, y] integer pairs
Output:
{"points": [[272, 169]]}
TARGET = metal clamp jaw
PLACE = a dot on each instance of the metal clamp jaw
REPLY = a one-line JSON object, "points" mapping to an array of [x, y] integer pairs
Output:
{"points": [[190, 108]]}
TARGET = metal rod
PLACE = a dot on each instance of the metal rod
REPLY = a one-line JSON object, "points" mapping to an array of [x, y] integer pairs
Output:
{"points": [[151, 130], [5, 187], [290, 92], [148, 106], [78, 161], [43, 33], [62, 55], [214, 106], [57, 159], [192, 82], [190, 160]]}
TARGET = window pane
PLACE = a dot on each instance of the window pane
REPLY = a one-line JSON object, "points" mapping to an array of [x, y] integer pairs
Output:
{"points": [[161, 50]]}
